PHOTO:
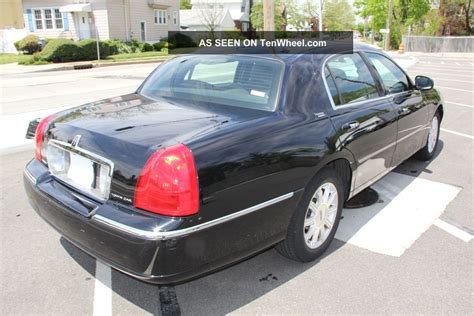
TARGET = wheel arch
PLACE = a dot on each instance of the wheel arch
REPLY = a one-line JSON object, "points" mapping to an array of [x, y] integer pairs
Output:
{"points": [[440, 110], [345, 165]]}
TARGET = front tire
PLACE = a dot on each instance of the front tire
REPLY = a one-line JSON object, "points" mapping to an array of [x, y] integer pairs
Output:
{"points": [[428, 151], [315, 221]]}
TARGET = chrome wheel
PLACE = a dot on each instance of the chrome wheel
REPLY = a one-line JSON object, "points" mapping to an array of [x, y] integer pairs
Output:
{"points": [[320, 215], [433, 135]]}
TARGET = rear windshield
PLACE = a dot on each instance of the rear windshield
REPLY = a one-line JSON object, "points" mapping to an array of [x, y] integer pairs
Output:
{"points": [[241, 81]]}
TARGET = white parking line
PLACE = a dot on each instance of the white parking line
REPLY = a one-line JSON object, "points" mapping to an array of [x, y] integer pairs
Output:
{"points": [[462, 69], [415, 72], [464, 90], [453, 230], [458, 64], [444, 79], [460, 104], [102, 290], [407, 207], [456, 133]]}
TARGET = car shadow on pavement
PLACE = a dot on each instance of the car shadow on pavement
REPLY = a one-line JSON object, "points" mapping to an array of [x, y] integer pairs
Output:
{"points": [[236, 286], [413, 167], [217, 293]]}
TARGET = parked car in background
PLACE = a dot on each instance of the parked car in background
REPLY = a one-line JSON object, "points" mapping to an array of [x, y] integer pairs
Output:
{"points": [[216, 158]]}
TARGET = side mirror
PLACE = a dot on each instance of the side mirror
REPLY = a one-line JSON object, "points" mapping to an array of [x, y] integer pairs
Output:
{"points": [[424, 83]]}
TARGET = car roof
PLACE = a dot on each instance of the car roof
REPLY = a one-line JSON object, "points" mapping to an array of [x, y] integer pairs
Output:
{"points": [[291, 58]]}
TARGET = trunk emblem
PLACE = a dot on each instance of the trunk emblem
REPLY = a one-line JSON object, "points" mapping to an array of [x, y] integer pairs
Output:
{"points": [[75, 141]]}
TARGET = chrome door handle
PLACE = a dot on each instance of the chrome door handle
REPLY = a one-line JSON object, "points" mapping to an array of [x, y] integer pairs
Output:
{"points": [[350, 126]]}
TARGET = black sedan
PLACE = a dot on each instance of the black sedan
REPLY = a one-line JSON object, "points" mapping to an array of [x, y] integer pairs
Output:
{"points": [[216, 158]]}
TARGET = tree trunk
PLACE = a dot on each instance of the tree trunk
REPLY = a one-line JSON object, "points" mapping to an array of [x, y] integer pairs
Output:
{"points": [[468, 9], [441, 13]]}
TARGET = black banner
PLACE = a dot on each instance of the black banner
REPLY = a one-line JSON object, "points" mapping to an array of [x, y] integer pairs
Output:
{"points": [[280, 42]]}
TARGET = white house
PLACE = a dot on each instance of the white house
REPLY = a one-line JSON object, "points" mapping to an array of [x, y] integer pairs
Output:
{"points": [[200, 20], [238, 9], [144, 20]]}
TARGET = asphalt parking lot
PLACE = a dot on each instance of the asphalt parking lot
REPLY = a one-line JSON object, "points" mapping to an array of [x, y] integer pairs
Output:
{"points": [[410, 253]]}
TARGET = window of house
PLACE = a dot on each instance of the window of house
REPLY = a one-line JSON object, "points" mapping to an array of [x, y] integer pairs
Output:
{"points": [[48, 18], [161, 17], [58, 19], [38, 19], [352, 77], [175, 17]]}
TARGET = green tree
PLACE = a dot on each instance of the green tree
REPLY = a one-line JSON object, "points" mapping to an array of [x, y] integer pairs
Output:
{"points": [[256, 16], [295, 15], [338, 15], [185, 5], [406, 14]]}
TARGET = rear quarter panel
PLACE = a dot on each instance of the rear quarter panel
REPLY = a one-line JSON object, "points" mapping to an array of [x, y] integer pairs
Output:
{"points": [[255, 161]]}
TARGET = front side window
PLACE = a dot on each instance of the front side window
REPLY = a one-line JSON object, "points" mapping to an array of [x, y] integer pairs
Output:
{"points": [[160, 17], [239, 81], [38, 19], [352, 78], [393, 78]]}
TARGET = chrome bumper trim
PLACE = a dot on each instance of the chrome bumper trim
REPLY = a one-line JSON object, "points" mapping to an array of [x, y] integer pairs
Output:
{"points": [[29, 176], [163, 235]]}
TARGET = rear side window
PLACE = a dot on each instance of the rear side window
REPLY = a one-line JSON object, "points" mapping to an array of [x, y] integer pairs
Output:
{"points": [[393, 78], [332, 87], [352, 78]]}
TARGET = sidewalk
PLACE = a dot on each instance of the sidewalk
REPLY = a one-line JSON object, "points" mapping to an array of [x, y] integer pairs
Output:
{"points": [[11, 69], [405, 60]]}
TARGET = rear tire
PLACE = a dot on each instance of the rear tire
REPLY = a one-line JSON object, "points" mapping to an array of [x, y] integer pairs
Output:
{"points": [[428, 151], [315, 221]]}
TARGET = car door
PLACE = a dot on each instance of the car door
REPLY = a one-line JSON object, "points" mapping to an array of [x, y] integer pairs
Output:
{"points": [[364, 119], [408, 102]]}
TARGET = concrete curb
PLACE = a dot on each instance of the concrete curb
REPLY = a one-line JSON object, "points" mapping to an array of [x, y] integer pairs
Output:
{"points": [[13, 69], [76, 66]]}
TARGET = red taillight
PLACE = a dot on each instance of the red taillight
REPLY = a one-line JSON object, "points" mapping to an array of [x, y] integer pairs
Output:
{"points": [[168, 183], [39, 136]]}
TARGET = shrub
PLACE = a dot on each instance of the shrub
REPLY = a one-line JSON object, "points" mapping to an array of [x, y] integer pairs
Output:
{"points": [[61, 50], [145, 47], [159, 46], [30, 44], [134, 45], [179, 40], [89, 49], [118, 47], [34, 59]]}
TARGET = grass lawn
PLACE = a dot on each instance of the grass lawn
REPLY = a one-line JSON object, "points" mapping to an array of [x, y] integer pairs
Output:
{"points": [[12, 58], [144, 55]]}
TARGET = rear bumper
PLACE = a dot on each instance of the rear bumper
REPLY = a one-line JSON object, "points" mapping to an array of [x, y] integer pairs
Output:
{"points": [[152, 248], [124, 251]]}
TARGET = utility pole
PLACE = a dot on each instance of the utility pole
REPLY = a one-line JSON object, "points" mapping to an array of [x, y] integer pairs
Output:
{"points": [[268, 15], [389, 17], [320, 20]]}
